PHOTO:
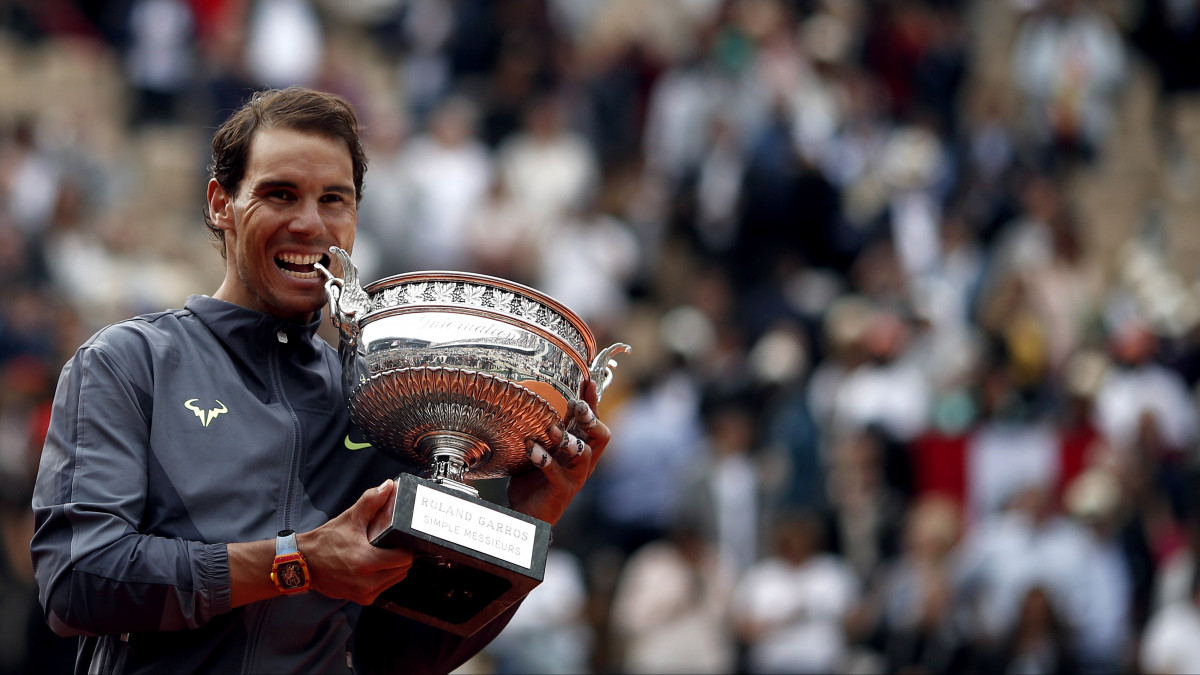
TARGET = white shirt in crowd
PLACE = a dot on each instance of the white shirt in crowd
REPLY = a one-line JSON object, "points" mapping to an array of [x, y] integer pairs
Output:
{"points": [[1170, 643], [805, 606]]}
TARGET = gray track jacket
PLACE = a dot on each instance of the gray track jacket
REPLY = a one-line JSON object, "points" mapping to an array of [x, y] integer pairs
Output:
{"points": [[174, 433]]}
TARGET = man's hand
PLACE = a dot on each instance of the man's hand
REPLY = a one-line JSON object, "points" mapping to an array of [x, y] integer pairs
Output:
{"points": [[342, 563], [561, 470], [341, 560]]}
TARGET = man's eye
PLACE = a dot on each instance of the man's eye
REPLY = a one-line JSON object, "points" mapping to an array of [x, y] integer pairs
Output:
{"points": [[334, 197], [279, 194]]}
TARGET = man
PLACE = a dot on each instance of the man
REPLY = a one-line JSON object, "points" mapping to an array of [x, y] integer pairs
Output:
{"points": [[187, 447]]}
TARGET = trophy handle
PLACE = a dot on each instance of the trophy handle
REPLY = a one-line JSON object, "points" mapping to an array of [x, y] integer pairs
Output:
{"points": [[602, 365], [348, 302]]}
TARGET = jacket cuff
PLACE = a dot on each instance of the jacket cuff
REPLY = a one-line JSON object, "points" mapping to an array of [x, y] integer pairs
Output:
{"points": [[217, 589]]}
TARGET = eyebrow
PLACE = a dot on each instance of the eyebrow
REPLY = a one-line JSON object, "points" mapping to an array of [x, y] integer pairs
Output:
{"points": [[269, 184]]}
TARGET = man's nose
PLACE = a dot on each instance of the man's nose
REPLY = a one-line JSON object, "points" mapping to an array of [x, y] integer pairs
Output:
{"points": [[307, 220]]}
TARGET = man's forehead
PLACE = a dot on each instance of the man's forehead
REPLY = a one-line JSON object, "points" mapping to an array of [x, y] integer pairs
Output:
{"points": [[278, 148]]}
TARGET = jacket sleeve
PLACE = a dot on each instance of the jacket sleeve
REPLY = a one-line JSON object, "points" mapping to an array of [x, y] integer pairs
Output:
{"points": [[96, 572]]}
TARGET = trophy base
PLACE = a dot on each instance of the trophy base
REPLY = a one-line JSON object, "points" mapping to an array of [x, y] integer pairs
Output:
{"points": [[473, 558]]}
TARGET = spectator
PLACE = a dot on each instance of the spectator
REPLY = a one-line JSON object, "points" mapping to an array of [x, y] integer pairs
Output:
{"points": [[504, 239], [887, 390], [160, 61], [1137, 387], [865, 511], [795, 474], [1100, 611], [1037, 643], [31, 173], [1068, 63], [670, 607], [384, 233], [1026, 545], [1168, 34], [637, 497], [603, 255], [909, 615], [790, 608], [285, 43], [1173, 580], [448, 170], [1169, 645], [549, 168], [1012, 445], [722, 495]]}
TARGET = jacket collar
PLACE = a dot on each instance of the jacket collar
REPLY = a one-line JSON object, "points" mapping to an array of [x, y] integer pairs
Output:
{"points": [[246, 331]]}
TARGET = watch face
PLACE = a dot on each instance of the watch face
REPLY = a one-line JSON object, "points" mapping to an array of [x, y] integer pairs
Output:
{"points": [[291, 574]]}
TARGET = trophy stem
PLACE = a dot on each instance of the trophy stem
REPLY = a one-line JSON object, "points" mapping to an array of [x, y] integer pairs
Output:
{"points": [[451, 454]]}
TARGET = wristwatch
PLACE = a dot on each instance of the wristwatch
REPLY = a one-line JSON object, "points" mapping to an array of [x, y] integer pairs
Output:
{"points": [[290, 569]]}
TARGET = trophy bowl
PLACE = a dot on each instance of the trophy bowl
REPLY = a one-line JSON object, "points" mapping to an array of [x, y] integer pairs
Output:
{"points": [[460, 368], [451, 373]]}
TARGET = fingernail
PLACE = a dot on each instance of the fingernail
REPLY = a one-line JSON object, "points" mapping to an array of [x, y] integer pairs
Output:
{"points": [[585, 416], [383, 485], [538, 455], [564, 440]]}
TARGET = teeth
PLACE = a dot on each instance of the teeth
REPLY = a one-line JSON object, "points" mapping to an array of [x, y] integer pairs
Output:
{"points": [[301, 275], [300, 258], [288, 262]]}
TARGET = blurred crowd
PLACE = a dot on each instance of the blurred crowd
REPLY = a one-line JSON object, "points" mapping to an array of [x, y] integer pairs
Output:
{"points": [[890, 408]]}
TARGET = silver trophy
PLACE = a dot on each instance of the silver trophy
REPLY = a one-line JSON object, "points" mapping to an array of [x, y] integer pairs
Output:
{"points": [[451, 372]]}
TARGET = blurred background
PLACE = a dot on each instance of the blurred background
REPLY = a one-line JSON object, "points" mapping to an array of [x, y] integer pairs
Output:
{"points": [[911, 286]]}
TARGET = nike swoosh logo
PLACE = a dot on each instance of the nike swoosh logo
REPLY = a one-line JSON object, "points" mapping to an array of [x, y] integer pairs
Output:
{"points": [[351, 445]]}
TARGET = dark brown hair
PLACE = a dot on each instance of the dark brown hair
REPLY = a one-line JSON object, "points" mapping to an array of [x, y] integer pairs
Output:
{"points": [[294, 108]]}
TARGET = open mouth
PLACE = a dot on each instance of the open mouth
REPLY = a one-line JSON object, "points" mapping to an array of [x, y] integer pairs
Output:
{"points": [[300, 265]]}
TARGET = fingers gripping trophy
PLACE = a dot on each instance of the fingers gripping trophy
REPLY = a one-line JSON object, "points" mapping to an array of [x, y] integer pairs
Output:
{"points": [[452, 373]]}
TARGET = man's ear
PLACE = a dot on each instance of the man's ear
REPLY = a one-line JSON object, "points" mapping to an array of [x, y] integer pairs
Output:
{"points": [[220, 205]]}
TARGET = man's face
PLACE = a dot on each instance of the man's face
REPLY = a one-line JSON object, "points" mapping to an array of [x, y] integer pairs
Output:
{"points": [[296, 199]]}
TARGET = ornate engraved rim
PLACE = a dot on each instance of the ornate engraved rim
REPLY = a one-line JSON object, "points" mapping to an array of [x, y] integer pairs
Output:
{"points": [[553, 338], [529, 306]]}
